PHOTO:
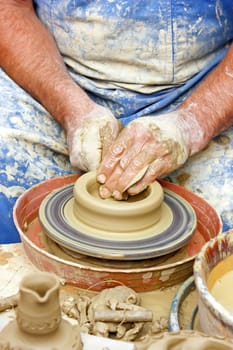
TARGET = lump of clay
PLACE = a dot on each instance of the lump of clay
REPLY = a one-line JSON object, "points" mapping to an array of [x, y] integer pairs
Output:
{"points": [[115, 313]]}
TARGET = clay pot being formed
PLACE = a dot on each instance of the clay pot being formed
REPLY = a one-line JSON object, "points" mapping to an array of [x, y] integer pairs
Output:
{"points": [[213, 271], [134, 214]]}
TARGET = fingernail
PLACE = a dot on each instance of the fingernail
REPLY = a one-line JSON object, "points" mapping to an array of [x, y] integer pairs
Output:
{"points": [[117, 195], [101, 178], [118, 149], [104, 192]]}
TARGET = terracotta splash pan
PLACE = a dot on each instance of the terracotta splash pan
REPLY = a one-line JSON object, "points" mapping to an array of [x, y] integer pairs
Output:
{"points": [[96, 274]]}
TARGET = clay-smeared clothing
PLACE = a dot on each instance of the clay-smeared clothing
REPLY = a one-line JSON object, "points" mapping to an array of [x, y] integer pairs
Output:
{"points": [[136, 58]]}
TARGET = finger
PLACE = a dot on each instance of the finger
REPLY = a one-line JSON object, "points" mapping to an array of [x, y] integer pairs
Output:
{"points": [[141, 158], [107, 191], [123, 195], [113, 156], [129, 144], [137, 168], [157, 168], [120, 179], [125, 161], [112, 186]]}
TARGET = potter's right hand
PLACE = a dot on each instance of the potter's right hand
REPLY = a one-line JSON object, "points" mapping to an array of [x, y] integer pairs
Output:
{"points": [[90, 135]]}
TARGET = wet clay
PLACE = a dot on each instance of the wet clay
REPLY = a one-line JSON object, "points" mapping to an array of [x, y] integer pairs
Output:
{"points": [[212, 269], [184, 340], [220, 282], [141, 213], [224, 266], [52, 247], [150, 308], [113, 313]]}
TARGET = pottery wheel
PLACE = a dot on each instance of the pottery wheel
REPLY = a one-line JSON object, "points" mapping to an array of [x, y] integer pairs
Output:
{"points": [[60, 225]]}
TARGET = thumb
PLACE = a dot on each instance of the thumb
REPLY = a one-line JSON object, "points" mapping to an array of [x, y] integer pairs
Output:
{"points": [[108, 135]]}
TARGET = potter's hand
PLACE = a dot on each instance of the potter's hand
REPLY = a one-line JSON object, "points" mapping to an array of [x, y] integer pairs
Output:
{"points": [[90, 136], [147, 148]]}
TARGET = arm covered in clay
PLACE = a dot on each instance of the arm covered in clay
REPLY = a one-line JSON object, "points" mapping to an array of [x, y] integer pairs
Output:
{"points": [[153, 146], [29, 55], [211, 104]]}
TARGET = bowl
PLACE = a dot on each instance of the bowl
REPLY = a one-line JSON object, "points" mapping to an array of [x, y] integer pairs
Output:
{"points": [[213, 271]]}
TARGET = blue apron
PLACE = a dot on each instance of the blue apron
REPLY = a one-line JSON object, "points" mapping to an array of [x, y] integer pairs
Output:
{"points": [[139, 57]]}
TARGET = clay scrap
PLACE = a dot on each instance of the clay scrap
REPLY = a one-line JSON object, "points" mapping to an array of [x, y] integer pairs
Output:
{"points": [[114, 312]]}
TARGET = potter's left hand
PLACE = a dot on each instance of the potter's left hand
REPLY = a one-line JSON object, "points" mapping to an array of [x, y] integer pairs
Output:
{"points": [[147, 148], [89, 137]]}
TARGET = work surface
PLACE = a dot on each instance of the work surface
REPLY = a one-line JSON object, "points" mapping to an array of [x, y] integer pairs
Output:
{"points": [[14, 265]]}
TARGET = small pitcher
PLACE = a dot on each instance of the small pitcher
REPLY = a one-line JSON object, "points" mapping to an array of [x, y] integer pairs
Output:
{"points": [[39, 309]]}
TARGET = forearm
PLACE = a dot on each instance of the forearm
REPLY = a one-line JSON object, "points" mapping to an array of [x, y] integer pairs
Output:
{"points": [[29, 55], [211, 104]]}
